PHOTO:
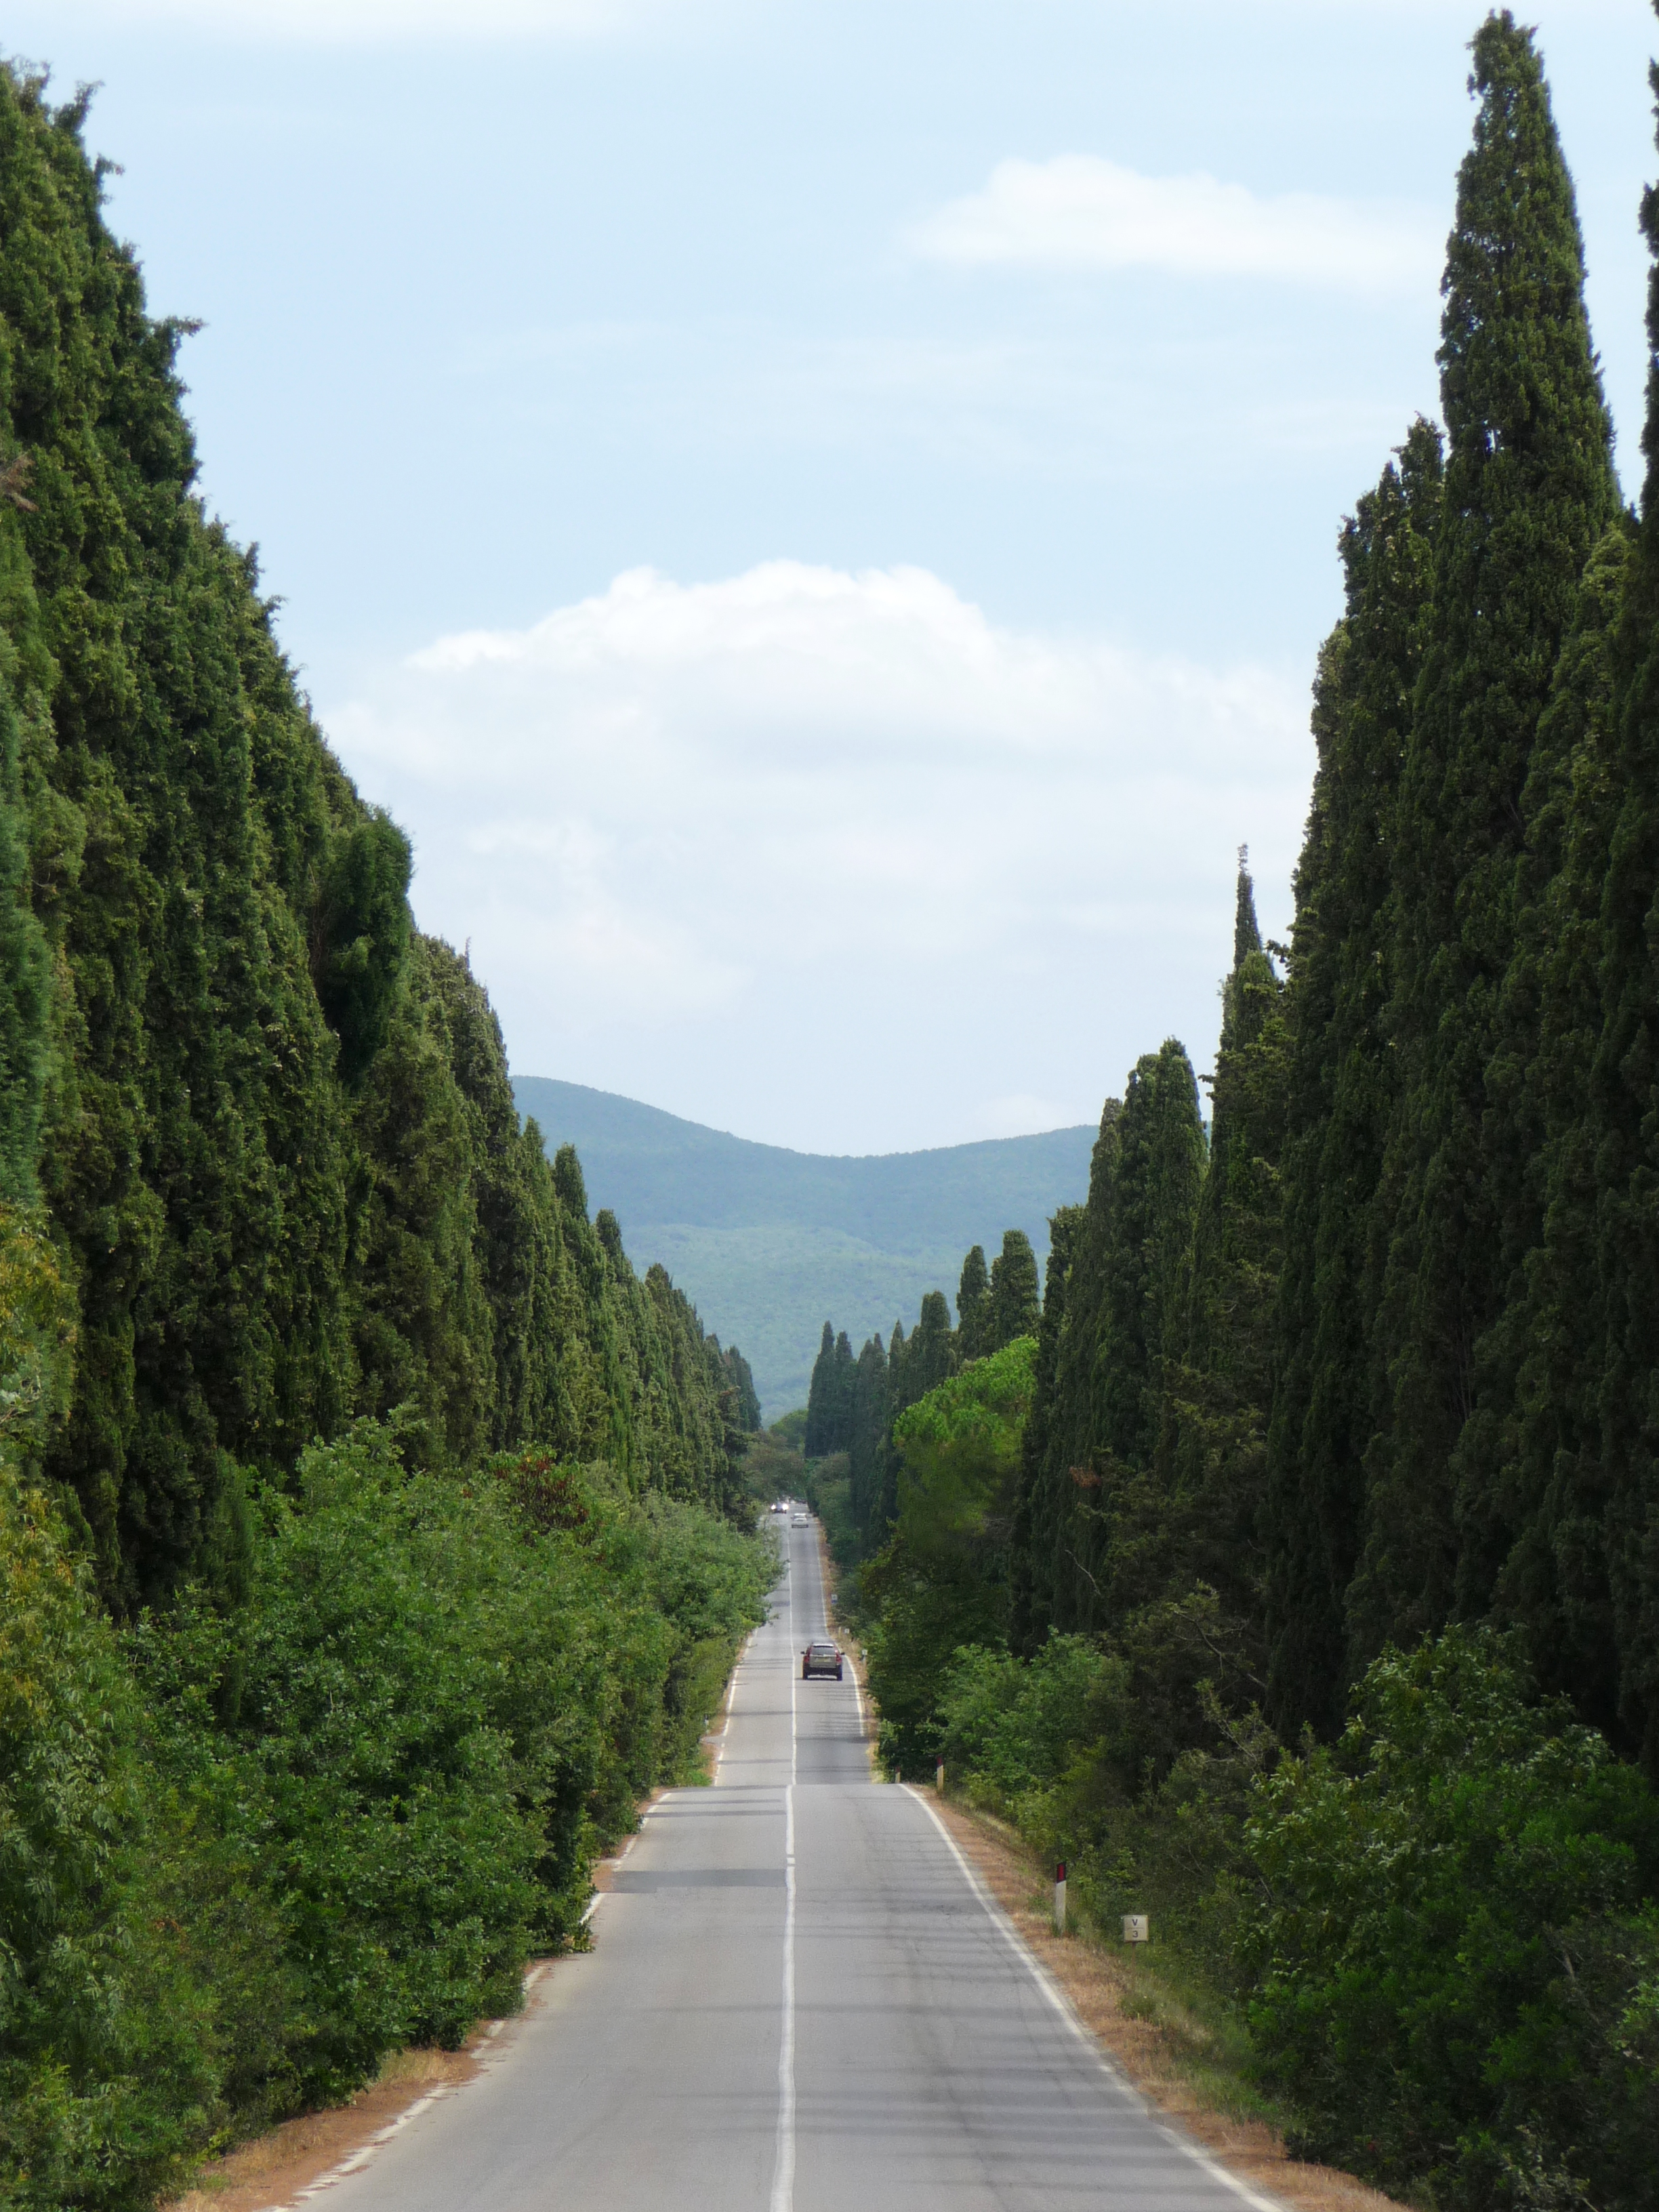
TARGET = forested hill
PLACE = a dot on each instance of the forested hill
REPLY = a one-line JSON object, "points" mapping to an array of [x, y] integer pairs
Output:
{"points": [[261, 1164], [768, 1241]]}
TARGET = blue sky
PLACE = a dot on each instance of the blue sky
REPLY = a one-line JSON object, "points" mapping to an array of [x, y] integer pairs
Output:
{"points": [[818, 517]]}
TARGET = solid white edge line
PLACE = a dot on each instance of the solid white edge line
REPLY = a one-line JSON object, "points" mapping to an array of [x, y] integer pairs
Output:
{"points": [[783, 2170], [726, 1710], [1062, 2004]]}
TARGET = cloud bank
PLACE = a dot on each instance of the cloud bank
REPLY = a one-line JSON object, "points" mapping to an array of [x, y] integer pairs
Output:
{"points": [[831, 858], [1080, 212]]}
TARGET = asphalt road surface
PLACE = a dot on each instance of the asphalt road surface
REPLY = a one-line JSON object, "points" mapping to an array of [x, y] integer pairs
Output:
{"points": [[798, 2001]]}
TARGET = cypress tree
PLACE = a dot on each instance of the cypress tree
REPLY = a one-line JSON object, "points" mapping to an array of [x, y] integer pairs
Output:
{"points": [[1153, 1204], [821, 1399], [741, 1383], [929, 1358], [1595, 1520], [844, 1382], [1528, 490], [1339, 1088], [1064, 1412], [1533, 1496], [1209, 1491], [973, 1297], [1122, 1305], [867, 1431], [1012, 1307], [1032, 1561]]}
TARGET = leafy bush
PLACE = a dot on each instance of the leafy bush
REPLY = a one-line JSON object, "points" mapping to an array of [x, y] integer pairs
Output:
{"points": [[1458, 1974], [940, 1583], [242, 1856], [1015, 1725], [107, 2075]]}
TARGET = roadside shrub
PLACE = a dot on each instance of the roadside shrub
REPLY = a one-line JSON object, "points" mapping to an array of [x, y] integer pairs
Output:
{"points": [[244, 1854], [940, 1583], [1015, 1725], [107, 2069], [1458, 1976]]}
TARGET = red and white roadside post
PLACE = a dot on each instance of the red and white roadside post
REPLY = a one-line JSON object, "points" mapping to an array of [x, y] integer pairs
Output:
{"points": [[1060, 1897]]}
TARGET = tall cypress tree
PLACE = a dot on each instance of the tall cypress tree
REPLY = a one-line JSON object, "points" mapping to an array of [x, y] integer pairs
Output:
{"points": [[1340, 1087], [1153, 1204], [1533, 1494], [927, 1358], [1012, 1305], [1032, 1563], [973, 1300], [821, 1399], [1209, 1494], [844, 1382], [1602, 1525], [867, 1431], [1132, 1297], [1530, 488], [1063, 1410]]}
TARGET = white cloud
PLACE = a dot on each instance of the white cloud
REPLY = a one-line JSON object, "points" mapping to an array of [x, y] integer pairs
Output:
{"points": [[741, 845], [1080, 212]]}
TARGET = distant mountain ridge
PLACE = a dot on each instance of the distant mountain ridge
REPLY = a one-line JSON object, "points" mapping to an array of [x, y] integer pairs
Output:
{"points": [[769, 1242]]}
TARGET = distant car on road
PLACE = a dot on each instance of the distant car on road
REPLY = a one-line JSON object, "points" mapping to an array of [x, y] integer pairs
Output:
{"points": [[820, 1659], [782, 1506], [800, 1520]]}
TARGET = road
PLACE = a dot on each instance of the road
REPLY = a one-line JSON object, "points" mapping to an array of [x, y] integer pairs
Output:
{"points": [[798, 2001]]}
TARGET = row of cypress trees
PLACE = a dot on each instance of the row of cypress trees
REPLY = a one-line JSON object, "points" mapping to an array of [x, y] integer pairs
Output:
{"points": [[266, 1124], [853, 1404], [1377, 1352]]}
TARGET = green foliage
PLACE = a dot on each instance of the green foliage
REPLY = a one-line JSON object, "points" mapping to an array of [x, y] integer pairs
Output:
{"points": [[1201, 1512], [1015, 1725], [244, 1854], [1455, 1971], [829, 1490], [829, 1402], [1341, 1089], [745, 1404], [940, 1581], [1529, 489], [360, 937], [1123, 1322], [1530, 1526], [1013, 1301], [867, 1441], [973, 1301], [107, 2077], [25, 975], [271, 1128], [791, 1431], [1037, 1532]]}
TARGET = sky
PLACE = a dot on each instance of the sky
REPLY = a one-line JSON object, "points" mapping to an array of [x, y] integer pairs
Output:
{"points": [[819, 515]]}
